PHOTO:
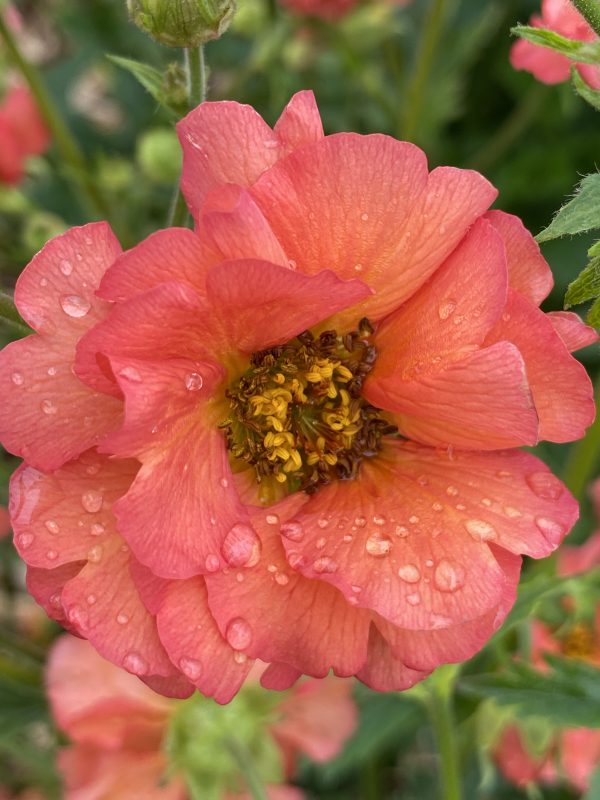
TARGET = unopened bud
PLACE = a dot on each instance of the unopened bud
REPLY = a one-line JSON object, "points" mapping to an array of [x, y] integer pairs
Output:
{"points": [[182, 23]]}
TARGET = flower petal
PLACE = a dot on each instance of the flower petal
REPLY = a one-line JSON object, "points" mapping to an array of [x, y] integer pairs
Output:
{"points": [[365, 205], [561, 389], [573, 332], [45, 586], [300, 123], [188, 631], [528, 270], [305, 624], [482, 402], [382, 671], [246, 293], [279, 677]]}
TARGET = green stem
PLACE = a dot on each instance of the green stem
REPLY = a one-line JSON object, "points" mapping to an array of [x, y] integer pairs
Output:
{"points": [[590, 9], [244, 763], [584, 456], [195, 64], [416, 91], [65, 142], [10, 315], [442, 720]]}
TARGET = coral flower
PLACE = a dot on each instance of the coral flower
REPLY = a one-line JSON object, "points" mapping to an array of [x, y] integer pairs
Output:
{"points": [[545, 64], [23, 133], [573, 753], [291, 434], [118, 727]]}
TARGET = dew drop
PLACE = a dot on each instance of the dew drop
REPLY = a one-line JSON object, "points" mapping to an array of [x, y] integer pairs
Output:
{"points": [[409, 573], [360, 522], [448, 577], [66, 267], [452, 491], [292, 531], [224, 483], [48, 407], [97, 529], [272, 519], [480, 530], [437, 507], [212, 563], [55, 600], [240, 658], [325, 564], [74, 305], [44, 282], [401, 531], [92, 469], [238, 634], [78, 616], [364, 217], [52, 371], [131, 374], [240, 577], [25, 540], [295, 559], [52, 525], [446, 309], [95, 554], [552, 530], [241, 547], [17, 379], [545, 485], [347, 538], [511, 512], [322, 522], [486, 502], [413, 520], [91, 599], [320, 543], [191, 668], [378, 519], [193, 381], [358, 267], [378, 544], [122, 619], [51, 555], [413, 599], [91, 501], [281, 578], [133, 662]]}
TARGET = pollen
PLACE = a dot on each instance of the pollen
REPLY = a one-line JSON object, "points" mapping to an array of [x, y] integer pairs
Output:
{"points": [[297, 414]]}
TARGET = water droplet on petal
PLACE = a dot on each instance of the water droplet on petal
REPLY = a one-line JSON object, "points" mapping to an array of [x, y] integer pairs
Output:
{"points": [[95, 554], [48, 407], [224, 483], [480, 530], [378, 544], [66, 267], [130, 373], [360, 522], [52, 525], [545, 485], [511, 512], [25, 540], [51, 555], [241, 547], [364, 217], [193, 381], [78, 616], [74, 305], [212, 563], [191, 668], [413, 599], [413, 520], [552, 530], [486, 502], [238, 634], [240, 658], [323, 522], [97, 529], [409, 573], [122, 619], [272, 519], [91, 599], [292, 531], [91, 501], [401, 531], [320, 543], [452, 491], [437, 506], [378, 519], [52, 371], [325, 564], [17, 379], [446, 309], [281, 578], [133, 662], [448, 577]]}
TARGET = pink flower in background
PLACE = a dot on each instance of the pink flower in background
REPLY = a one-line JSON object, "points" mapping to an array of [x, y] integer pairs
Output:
{"points": [[23, 133], [208, 482], [545, 64], [117, 727]]}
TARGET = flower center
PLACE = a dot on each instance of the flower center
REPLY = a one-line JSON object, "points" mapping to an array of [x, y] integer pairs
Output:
{"points": [[579, 642], [297, 415]]}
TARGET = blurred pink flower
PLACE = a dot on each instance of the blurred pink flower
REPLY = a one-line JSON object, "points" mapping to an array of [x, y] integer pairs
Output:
{"points": [[23, 133], [171, 481], [117, 726], [4, 522], [545, 64]]}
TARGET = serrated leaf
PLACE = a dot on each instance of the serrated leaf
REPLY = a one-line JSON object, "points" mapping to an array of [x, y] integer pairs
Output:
{"points": [[586, 285], [150, 78], [580, 214], [567, 695], [590, 95], [582, 52]]}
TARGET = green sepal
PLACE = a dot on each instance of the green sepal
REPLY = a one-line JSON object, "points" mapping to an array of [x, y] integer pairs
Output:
{"points": [[582, 52]]}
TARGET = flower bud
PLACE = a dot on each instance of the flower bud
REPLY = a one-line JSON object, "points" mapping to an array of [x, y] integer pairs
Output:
{"points": [[182, 23]]}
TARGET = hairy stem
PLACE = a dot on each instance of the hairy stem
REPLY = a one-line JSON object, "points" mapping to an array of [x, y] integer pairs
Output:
{"points": [[590, 9], [245, 765]]}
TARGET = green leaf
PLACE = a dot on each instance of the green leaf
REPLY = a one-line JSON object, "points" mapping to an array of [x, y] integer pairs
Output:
{"points": [[590, 95], [152, 79], [567, 695], [582, 52], [580, 214], [593, 315], [11, 317], [586, 285]]}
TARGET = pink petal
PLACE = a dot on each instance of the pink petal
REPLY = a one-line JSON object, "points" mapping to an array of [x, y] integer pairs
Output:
{"points": [[246, 293], [580, 755], [574, 333], [279, 677], [62, 517], [561, 389], [579, 558], [300, 123], [528, 270], [544, 64], [26, 122], [382, 671], [305, 624], [482, 402], [188, 631], [365, 205], [515, 762], [46, 585]]}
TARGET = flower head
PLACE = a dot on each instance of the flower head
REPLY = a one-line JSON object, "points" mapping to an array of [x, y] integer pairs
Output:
{"points": [[291, 434], [23, 133], [545, 64], [120, 730]]}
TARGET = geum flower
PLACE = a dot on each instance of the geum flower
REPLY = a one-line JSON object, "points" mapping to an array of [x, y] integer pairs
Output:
{"points": [[291, 434], [23, 133], [546, 64], [119, 729]]}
